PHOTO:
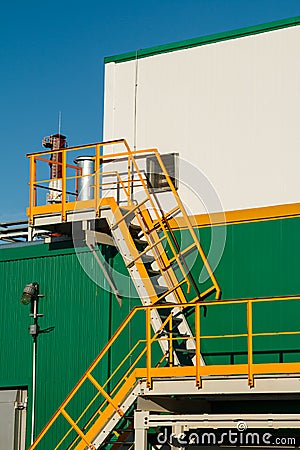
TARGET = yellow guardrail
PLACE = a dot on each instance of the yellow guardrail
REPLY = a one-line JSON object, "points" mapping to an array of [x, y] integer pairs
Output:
{"points": [[147, 363], [128, 181]]}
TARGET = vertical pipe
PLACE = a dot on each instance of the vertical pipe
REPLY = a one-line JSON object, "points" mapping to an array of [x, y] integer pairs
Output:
{"points": [[86, 182], [129, 179], [97, 174], [118, 192], [250, 343], [148, 346], [198, 358], [78, 171], [130, 192], [33, 391], [64, 184], [34, 353]]}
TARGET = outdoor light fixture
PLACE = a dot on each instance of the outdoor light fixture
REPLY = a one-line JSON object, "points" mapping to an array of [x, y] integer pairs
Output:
{"points": [[30, 292], [31, 296]]}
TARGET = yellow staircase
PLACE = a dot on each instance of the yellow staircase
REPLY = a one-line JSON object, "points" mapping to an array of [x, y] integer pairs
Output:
{"points": [[122, 184], [144, 237], [92, 424], [159, 261], [140, 227]]}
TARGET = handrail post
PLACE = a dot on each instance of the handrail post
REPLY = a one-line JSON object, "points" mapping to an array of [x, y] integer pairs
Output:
{"points": [[198, 358], [77, 172], [171, 341], [32, 188], [34, 182], [250, 343], [129, 178], [97, 180], [130, 174], [64, 185], [130, 171], [148, 346]]}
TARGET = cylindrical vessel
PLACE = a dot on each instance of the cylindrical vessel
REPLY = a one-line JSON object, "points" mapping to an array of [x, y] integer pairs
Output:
{"points": [[86, 181]]}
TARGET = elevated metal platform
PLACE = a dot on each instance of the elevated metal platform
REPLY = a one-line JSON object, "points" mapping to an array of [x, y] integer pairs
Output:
{"points": [[179, 413]]}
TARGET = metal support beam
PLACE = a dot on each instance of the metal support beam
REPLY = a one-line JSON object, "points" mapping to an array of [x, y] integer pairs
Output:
{"points": [[267, 385], [140, 429], [220, 421], [182, 423], [177, 430]]}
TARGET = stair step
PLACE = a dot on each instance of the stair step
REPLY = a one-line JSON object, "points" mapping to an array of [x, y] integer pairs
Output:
{"points": [[153, 273], [129, 215], [163, 301], [165, 314], [187, 351], [134, 230], [141, 244], [175, 333], [147, 259], [160, 289], [123, 430]]}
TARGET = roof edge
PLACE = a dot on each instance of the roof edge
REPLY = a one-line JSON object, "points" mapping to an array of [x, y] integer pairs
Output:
{"points": [[204, 40]]}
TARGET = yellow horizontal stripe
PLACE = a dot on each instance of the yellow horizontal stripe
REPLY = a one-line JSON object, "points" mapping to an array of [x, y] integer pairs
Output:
{"points": [[240, 216]]}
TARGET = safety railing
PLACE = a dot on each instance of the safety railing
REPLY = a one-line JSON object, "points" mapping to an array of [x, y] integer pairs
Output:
{"points": [[70, 174], [122, 178], [96, 397], [125, 180]]}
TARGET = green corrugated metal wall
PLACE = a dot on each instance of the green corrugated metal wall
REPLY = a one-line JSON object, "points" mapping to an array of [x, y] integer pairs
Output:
{"points": [[259, 259], [83, 316]]}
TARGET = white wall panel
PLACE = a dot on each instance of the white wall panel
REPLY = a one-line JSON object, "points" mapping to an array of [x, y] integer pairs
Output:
{"points": [[229, 108]]}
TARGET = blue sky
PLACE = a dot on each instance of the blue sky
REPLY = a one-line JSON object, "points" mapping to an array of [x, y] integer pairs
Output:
{"points": [[52, 60]]}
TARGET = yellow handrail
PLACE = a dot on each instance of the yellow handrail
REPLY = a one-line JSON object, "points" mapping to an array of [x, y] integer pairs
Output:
{"points": [[150, 371], [127, 184]]}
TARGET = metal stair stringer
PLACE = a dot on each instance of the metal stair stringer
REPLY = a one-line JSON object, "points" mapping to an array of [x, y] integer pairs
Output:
{"points": [[138, 272], [160, 255], [144, 285], [113, 417]]}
